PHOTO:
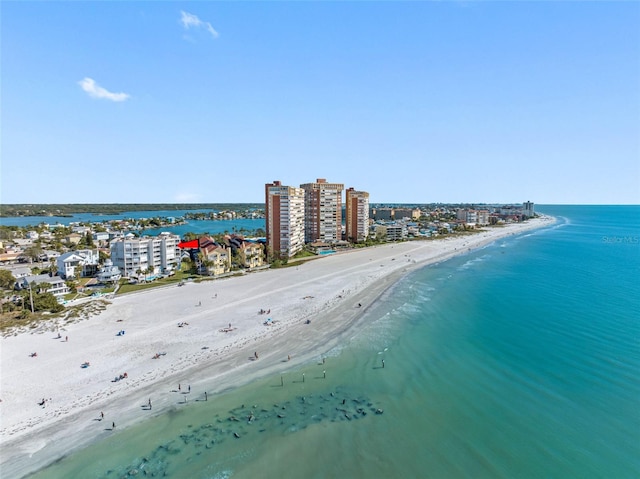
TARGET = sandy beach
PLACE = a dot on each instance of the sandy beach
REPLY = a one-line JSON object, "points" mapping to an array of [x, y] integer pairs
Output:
{"points": [[180, 342]]}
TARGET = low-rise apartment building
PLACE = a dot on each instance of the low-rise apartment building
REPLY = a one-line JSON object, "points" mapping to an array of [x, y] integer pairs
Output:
{"points": [[215, 258], [159, 254]]}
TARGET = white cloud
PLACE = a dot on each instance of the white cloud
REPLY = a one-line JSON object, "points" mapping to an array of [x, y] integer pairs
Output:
{"points": [[96, 91], [189, 20]]}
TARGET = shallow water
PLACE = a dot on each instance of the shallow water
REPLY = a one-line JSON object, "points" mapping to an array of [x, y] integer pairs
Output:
{"points": [[517, 360]]}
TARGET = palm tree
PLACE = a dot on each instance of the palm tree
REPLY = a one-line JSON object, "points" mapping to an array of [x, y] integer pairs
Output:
{"points": [[54, 267]]}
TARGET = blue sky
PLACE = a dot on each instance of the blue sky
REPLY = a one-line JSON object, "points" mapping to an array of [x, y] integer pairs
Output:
{"points": [[415, 102]]}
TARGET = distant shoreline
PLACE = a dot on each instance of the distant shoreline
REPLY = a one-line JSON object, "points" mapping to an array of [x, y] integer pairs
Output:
{"points": [[326, 292], [66, 210]]}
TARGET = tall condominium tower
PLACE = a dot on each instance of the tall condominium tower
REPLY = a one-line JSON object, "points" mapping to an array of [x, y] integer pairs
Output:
{"points": [[357, 215], [528, 209], [284, 207], [322, 211]]}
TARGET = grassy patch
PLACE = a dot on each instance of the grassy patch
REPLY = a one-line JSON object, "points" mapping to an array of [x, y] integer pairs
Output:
{"points": [[11, 324], [125, 287]]}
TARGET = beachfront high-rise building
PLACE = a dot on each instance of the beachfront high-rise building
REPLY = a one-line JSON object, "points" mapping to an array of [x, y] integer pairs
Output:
{"points": [[357, 215], [284, 211], [323, 211], [528, 209], [152, 255]]}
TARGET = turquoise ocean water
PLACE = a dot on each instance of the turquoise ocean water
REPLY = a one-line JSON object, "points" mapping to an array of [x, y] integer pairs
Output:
{"points": [[520, 360]]}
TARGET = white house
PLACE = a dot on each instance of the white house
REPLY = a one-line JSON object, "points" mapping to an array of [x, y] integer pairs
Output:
{"points": [[78, 263], [101, 236], [109, 273], [53, 284]]}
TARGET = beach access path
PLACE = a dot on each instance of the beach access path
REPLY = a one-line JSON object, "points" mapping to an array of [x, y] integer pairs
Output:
{"points": [[202, 336]]}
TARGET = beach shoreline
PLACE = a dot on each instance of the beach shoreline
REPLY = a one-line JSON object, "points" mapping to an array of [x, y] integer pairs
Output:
{"points": [[188, 324]]}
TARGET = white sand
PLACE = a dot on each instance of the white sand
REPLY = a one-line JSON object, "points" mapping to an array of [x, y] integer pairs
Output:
{"points": [[326, 291]]}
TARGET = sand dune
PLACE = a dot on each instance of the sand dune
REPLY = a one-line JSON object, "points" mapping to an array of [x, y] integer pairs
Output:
{"points": [[200, 354]]}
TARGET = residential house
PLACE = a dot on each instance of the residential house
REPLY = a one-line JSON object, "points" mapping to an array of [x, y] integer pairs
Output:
{"points": [[22, 242], [44, 283], [10, 257], [73, 238], [80, 263], [109, 273], [101, 237], [21, 272], [83, 230]]}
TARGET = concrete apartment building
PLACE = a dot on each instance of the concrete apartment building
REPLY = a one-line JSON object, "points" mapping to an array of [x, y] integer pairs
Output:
{"points": [[391, 232], [323, 211], [357, 215], [473, 217], [528, 209], [411, 213], [158, 254], [284, 211]]}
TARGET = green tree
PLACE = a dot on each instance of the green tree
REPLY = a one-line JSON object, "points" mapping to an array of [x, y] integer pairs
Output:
{"points": [[88, 240], [33, 252], [53, 268], [46, 302], [72, 285], [102, 257], [7, 280]]}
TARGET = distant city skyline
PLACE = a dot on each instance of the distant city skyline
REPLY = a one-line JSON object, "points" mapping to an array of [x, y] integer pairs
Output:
{"points": [[413, 102]]}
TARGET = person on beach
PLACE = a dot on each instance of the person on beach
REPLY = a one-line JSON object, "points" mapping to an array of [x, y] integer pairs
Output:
{"points": [[66, 338], [179, 389], [101, 415], [113, 425], [149, 403], [189, 387]]}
